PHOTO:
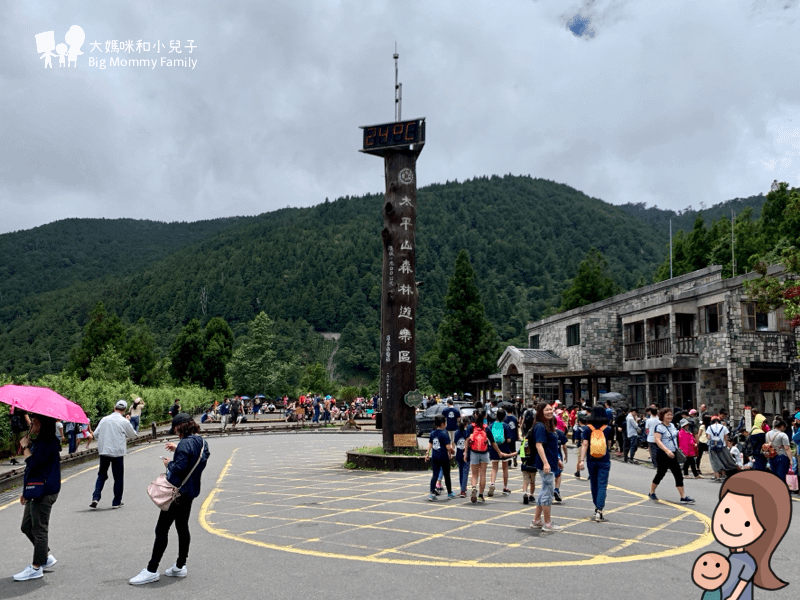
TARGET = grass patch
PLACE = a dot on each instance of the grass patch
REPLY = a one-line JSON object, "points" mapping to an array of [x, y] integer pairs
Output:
{"points": [[379, 450]]}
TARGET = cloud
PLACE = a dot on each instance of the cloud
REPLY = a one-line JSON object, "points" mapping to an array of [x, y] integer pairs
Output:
{"points": [[669, 104]]}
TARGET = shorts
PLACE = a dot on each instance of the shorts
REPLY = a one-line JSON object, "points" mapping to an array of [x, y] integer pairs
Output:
{"points": [[476, 458], [548, 487], [529, 477]]}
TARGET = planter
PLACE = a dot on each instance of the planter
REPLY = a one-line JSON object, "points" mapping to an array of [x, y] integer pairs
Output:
{"points": [[389, 462]]}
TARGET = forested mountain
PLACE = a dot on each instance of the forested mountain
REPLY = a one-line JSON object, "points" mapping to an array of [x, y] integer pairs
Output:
{"points": [[73, 250], [684, 220], [525, 239]]}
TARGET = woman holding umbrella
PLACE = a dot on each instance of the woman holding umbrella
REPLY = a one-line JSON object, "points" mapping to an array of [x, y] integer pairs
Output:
{"points": [[41, 485]]}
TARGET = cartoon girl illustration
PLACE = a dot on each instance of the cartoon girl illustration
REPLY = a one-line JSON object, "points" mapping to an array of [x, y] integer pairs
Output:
{"points": [[751, 518]]}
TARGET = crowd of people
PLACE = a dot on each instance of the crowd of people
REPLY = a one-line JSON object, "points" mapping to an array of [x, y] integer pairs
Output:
{"points": [[675, 439], [313, 408]]}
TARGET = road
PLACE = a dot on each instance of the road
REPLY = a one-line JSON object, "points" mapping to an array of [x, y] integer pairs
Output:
{"points": [[279, 516]]}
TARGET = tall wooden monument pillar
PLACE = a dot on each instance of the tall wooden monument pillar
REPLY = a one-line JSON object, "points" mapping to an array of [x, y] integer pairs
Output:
{"points": [[399, 143]]}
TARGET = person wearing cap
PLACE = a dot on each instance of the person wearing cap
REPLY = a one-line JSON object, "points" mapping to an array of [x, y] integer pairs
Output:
{"points": [[184, 472], [112, 433]]}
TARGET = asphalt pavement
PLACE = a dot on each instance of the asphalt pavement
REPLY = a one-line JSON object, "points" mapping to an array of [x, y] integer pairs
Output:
{"points": [[279, 516]]}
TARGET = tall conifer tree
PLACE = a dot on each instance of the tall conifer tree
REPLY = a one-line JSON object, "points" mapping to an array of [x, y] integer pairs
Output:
{"points": [[466, 345]]}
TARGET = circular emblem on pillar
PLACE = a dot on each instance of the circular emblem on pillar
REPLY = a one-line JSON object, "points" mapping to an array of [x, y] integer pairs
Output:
{"points": [[406, 176]]}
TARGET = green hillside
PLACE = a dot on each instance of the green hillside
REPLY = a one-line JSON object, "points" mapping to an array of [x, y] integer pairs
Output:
{"points": [[525, 238]]}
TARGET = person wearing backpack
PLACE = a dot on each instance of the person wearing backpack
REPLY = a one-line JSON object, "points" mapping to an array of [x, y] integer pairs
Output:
{"points": [[477, 445], [580, 428], [596, 456], [547, 463], [666, 437], [527, 458], [513, 429], [716, 433], [499, 433], [779, 462]]}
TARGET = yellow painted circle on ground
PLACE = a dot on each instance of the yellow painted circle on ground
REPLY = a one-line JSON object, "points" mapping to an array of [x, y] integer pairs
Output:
{"points": [[314, 507]]}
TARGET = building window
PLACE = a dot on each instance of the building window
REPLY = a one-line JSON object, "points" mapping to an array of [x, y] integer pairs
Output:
{"points": [[752, 320], [574, 335], [534, 342], [711, 318]]}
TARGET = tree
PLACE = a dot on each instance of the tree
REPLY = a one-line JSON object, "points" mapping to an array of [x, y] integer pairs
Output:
{"points": [[217, 353], [315, 379], [140, 353], [466, 345], [103, 329], [254, 368], [109, 366], [771, 292], [186, 354], [591, 284]]}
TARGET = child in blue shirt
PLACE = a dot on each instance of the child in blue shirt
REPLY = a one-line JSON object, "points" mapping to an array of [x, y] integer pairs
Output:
{"points": [[463, 465], [440, 449]]}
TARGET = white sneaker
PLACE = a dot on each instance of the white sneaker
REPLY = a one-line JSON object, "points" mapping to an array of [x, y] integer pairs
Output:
{"points": [[174, 571], [51, 562], [144, 577], [29, 573]]}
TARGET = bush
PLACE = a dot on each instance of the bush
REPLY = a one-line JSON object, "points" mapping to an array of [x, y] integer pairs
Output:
{"points": [[98, 397]]}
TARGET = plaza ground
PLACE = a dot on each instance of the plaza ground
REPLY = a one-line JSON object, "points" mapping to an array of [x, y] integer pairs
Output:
{"points": [[278, 514]]}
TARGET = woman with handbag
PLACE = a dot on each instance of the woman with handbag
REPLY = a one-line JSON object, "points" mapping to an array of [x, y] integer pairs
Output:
{"points": [[183, 472], [666, 439], [40, 488]]}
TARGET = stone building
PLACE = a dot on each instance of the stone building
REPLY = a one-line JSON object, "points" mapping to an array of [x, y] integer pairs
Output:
{"points": [[694, 339]]}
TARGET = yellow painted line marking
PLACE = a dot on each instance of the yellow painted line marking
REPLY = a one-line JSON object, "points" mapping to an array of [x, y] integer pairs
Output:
{"points": [[92, 468], [702, 540]]}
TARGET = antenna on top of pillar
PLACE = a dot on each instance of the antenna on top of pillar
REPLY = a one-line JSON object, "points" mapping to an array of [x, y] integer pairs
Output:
{"points": [[398, 88]]}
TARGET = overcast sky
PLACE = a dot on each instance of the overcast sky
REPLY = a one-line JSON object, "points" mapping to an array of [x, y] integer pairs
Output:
{"points": [[669, 103]]}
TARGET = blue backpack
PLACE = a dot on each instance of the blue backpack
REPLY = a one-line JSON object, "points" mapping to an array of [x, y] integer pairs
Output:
{"points": [[498, 432]]}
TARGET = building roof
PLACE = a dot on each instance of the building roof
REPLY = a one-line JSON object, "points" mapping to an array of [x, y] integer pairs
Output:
{"points": [[538, 355]]}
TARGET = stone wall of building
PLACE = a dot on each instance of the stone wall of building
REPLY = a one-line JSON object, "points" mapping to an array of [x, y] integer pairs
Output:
{"points": [[713, 389]]}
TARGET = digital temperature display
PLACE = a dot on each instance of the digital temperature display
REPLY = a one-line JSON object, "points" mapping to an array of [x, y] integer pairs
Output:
{"points": [[393, 135]]}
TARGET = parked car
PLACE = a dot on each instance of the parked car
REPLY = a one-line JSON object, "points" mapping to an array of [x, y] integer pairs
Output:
{"points": [[425, 417]]}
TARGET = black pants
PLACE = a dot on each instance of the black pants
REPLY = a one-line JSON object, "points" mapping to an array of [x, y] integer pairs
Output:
{"points": [[36, 526], [663, 464], [117, 464], [690, 461], [701, 448], [178, 513], [444, 466]]}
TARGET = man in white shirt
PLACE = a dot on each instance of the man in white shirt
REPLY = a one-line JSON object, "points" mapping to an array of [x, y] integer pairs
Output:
{"points": [[632, 435], [650, 427], [112, 433]]}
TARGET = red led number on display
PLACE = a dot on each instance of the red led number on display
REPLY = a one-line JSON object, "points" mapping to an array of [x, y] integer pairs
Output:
{"points": [[369, 138]]}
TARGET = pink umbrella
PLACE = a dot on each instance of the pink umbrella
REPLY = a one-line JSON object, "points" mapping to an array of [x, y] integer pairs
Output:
{"points": [[42, 401]]}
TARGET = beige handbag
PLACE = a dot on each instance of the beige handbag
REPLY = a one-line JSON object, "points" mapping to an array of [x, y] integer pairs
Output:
{"points": [[163, 493]]}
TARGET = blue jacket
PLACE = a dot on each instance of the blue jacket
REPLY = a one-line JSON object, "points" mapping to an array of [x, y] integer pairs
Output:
{"points": [[185, 457], [44, 463]]}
